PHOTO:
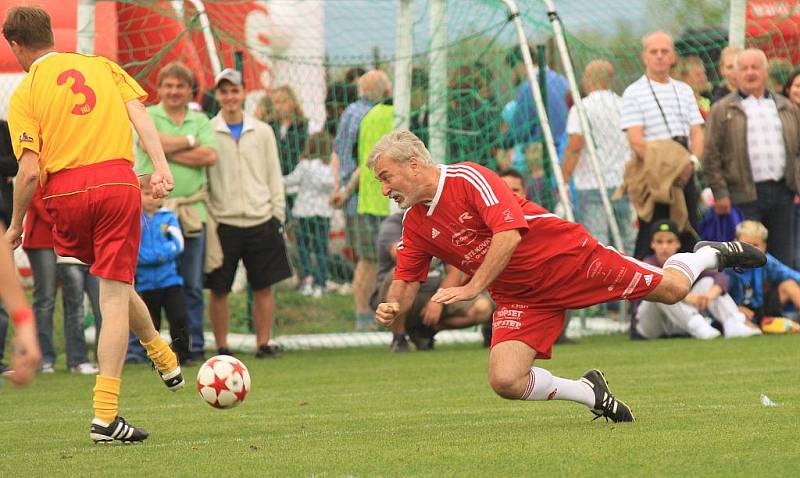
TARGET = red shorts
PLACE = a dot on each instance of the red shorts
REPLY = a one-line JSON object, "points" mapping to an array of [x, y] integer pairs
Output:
{"points": [[604, 275], [96, 212]]}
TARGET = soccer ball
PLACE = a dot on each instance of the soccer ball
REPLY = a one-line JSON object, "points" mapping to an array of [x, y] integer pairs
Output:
{"points": [[223, 381]]}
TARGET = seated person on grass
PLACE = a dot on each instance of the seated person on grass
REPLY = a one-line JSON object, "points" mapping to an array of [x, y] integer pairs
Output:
{"points": [[708, 295], [765, 291], [425, 318]]}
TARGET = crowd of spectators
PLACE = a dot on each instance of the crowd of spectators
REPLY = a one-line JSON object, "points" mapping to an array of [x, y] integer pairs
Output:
{"points": [[259, 189]]}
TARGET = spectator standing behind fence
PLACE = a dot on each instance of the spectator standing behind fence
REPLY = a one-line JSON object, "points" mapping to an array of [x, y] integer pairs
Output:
{"points": [[247, 201], [657, 107], [692, 71], [525, 126], [157, 278], [290, 126], [362, 222], [727, 72], [791, 90], [313, 180], [602, 108], [189, 143], [751, 156], [38, 245]]}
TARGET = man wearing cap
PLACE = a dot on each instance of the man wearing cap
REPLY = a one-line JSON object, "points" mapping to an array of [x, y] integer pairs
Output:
{"points": [[708, 296], [246, 199], [191, 147]]}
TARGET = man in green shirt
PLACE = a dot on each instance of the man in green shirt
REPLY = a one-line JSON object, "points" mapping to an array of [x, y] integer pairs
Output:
{"points": [[191, 146]]}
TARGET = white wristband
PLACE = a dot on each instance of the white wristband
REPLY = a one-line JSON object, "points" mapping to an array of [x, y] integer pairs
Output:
{"points": [[694, 160], [191, 139]]}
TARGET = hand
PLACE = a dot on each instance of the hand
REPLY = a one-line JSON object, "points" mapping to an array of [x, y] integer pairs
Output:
{"points": [[722, 206], [748, 313], [454, 294], [386, 313], [337, 200], [431, 313], [686, 175], [25, 354], [702, 302], [162, 183], [13, 236]]}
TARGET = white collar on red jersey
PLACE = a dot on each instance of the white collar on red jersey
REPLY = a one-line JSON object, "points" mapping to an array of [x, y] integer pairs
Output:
{"points": [[439, 187]]}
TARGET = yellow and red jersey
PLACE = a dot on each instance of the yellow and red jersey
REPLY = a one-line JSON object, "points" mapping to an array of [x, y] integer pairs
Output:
{"points": [[70, 110]]}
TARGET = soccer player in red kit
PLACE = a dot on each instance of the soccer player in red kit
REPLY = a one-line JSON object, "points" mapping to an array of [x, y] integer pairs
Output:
{"points": [[70, 120], [534, 264]]}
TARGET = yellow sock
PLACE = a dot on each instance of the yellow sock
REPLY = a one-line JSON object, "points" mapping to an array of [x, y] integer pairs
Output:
{"points": [[106, 398], [159, 352]]}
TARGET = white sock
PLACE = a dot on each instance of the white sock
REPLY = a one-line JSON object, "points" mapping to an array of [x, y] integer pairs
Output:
{"points": [[699, 328], [542, 385], [692, 264]]}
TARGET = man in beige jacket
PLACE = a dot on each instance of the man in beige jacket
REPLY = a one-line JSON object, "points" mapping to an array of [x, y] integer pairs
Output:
{"points": [[247, 200]]}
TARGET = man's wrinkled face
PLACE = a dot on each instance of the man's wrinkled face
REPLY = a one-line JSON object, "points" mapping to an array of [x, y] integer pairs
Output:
{"points": [[658, 55], [751, 74], [397, 180]]}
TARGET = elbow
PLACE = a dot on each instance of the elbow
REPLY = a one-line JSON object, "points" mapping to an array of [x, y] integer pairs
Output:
{"points": [[28, 176], [211, 158]]}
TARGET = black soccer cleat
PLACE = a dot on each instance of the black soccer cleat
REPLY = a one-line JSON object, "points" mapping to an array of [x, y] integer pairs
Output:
{"points": [[735, 254], [173, 380], [605, 404], [118, 430]]}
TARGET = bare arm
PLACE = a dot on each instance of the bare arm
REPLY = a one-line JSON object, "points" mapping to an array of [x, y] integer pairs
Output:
{"points": [[172, 144], [399, 298], [25, 188], [571, 155], [500, 251], [335, 170], [636, 140], [200, 156], [25, 354], [696, 139], [161, 179]]}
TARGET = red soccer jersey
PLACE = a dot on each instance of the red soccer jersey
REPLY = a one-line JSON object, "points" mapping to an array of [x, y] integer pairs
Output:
{"points": [[471, 205]]}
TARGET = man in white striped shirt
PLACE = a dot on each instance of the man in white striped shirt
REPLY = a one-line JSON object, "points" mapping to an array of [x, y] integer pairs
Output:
{"points": [[658, 107]]}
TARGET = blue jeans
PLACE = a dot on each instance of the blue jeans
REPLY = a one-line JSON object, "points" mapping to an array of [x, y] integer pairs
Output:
{"points": [[592, 215], [312, 236], [190, 266], [44, 268], [72, 289], [774, 208]]}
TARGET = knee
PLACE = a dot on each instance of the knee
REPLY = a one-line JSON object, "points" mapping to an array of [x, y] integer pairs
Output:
{"points": [[505, 385], [481, 311], [673, 289]]}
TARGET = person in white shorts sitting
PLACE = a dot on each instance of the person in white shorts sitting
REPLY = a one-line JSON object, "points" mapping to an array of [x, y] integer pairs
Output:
{"points": [[709, 295]]}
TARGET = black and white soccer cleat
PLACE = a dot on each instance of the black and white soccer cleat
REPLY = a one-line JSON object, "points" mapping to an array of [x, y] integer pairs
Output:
{"points": [[118, 430], [736, 254], [606, 405]]}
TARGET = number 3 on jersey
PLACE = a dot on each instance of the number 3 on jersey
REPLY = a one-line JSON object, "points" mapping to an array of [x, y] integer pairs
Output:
{"points": [[79, 87]]}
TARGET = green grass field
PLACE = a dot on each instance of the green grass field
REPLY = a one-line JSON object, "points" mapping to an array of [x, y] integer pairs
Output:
{"points": [[367, 412]]}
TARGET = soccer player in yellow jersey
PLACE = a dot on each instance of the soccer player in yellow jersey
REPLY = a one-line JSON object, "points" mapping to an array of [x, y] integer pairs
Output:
{"points": [[70, 127]]}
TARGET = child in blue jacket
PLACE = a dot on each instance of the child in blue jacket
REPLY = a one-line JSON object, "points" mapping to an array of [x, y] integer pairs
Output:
{"points": [[763, 292], [157, 277]]}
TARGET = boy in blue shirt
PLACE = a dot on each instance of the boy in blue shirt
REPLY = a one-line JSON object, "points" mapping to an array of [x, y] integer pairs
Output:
{"points": [[157, 277], [763, 292]]}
